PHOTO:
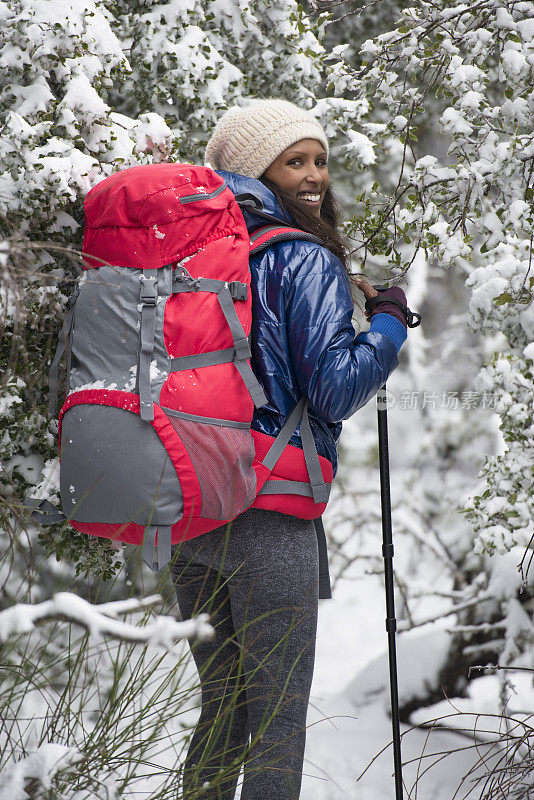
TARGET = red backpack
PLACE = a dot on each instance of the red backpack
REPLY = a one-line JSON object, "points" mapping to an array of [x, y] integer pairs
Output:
{"points": [[155, 438]]}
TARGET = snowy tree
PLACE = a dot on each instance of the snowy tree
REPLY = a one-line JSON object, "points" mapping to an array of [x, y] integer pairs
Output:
{"points": [[451, 83]]}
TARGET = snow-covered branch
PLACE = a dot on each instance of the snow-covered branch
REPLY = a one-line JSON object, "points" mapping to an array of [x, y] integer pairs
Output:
{"points": [[41, 765], [101, 620]]}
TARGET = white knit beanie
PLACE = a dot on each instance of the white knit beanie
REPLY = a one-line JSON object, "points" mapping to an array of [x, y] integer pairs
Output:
{"points": [[247, 140]]}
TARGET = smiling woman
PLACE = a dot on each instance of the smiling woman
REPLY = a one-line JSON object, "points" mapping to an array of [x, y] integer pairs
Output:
{"points": [[302, 171], [260, 576], [313, 211]]}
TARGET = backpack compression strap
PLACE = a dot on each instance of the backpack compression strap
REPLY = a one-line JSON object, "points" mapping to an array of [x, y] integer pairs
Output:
{"points": [[316, 488], [64, 346], [240, 352], [155, 556]]}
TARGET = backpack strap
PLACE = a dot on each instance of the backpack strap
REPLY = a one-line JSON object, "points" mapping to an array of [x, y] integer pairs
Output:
{"points": [[157, 556], [267, 235], [240, 352], [148, 299], [64, 345], [320, 490], [253, 204], [277, 230], [325, 589], [316, 488], [260, 240], [43, 512]]}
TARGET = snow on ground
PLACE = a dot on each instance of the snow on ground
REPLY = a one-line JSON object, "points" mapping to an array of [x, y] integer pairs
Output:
{"points": [[349, 723], [340, 749], [348, 717]]}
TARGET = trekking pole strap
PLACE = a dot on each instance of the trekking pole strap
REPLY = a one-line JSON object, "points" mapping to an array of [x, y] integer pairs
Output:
{"points": [[413, 318]]}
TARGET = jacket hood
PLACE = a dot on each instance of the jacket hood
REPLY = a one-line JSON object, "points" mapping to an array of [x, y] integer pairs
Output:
{"points": [[239, 184]]}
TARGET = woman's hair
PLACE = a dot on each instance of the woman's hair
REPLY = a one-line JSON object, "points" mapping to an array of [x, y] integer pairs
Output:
{"points": [[324, 227]]}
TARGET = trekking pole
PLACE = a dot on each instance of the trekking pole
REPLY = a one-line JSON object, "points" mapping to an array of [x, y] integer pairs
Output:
{"points": [[387, 552]]}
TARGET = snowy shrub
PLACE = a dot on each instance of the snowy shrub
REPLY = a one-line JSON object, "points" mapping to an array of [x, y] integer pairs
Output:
{"points": [[99, 711], [110, 713]]}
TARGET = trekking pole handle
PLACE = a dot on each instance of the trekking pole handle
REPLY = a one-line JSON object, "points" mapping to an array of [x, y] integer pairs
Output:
{"points": [[413, 318]]}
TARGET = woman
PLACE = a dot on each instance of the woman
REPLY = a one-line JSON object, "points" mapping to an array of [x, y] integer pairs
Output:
{"points": [[260, 579]]}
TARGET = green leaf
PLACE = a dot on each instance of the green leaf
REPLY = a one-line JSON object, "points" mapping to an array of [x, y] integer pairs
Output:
{"points": [[503, 298]]}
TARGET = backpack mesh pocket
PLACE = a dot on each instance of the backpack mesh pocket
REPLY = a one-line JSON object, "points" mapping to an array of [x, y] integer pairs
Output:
{"points": [[222, 457]]}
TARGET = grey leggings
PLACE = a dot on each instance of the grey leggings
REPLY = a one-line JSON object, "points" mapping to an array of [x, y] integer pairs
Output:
{"points": [[258, 578]]}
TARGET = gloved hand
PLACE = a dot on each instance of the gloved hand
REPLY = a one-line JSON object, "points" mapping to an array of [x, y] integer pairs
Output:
{"points": [[380, 305]]}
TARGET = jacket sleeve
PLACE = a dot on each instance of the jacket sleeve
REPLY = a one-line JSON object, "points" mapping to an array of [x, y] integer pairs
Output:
{"points": [[336, 370]]}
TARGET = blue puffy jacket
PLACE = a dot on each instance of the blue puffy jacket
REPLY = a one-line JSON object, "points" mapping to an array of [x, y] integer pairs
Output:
{"points": [[303, 341]]}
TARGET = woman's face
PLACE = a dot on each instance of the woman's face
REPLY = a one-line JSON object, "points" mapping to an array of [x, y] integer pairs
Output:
{"points": [[302, 170]]}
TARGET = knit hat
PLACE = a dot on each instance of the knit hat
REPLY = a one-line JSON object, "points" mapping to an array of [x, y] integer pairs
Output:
{"points": [[247, 140]]}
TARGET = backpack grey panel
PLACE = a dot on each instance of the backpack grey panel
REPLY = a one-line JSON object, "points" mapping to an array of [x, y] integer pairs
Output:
{"points": [[105, 335], [115, 469]]}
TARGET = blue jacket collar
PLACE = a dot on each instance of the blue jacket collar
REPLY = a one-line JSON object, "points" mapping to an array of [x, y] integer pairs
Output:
{"points": [[239, 184]]}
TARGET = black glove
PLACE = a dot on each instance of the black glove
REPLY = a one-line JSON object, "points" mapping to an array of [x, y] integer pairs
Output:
{"points": [[392, 301]]}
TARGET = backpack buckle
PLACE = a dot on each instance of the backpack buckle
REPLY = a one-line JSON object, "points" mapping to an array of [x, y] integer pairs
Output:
{"points": [[242, 349], [149, 291], [182, 275], [238, 290]]}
